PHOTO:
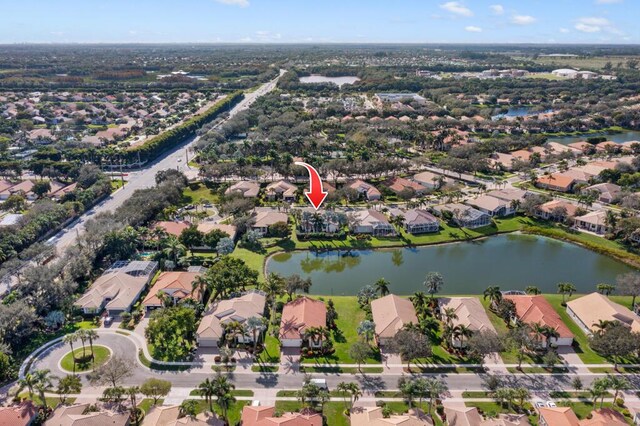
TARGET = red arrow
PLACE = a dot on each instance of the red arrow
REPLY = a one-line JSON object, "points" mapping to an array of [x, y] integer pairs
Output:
{"points": [[316, 194]]}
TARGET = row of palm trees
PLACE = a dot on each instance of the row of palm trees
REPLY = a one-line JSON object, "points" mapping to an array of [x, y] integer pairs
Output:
{"points": [[413, 389], [83, 336], [219, 389]]}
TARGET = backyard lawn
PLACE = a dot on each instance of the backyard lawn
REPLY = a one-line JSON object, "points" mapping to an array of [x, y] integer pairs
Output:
{"points": [[332, 411], [234, 412], [199, 192]]}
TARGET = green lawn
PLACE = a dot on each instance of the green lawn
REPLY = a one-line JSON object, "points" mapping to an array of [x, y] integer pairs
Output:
{"points": [[147, 404], [52, 401], [271, 352], [332, 411], [234, 412], [199, 192], [491, 409], [101, 355]]}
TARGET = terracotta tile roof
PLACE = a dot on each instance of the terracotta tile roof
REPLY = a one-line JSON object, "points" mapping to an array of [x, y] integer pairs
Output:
{"points": [[556, 180], [19, 415], [172, 228], [176, 284], [399, 184], [604, 417], [559, 416], [300, 314], [206, 227], [391, 313], [550, 205], [536, 309], [263, 416]]}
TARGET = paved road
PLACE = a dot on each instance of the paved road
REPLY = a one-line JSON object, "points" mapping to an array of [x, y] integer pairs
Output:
{"points": [[145, 178]]}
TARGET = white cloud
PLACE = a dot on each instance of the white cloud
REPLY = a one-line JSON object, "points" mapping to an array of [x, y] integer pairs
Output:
{"points": [[523, 19], [564, 30], [241, 3], [473, 29], [595, 25], [456, 8], [497, 9]]}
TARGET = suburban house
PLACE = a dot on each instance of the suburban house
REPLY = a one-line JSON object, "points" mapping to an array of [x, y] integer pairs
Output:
{"points": [[537, 310], [465, 216], [509, 195], [23, 188], [419, 221], [257, 415], [365, 190], [607, 192], [22, 414], [430, 180], [372, 416], [558, 210], [502, 161], [399, 184], [460, 415], [582, 146], [595, 221], [390, 314], [248, 189], [206, 227], [267, 217], [469, 313], [556, 182], [281, 190], [118, 288], [371, 222], [171, 227], [211, 328], [80, 414], [492, 206], [174, 284], [298, 316], [171, 415], [558, 416], [589, 310]]}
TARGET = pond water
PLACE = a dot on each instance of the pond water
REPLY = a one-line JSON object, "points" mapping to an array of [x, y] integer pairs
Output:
{"points": [[511, 261], [625, 136], [339, 81], [520, 111]]}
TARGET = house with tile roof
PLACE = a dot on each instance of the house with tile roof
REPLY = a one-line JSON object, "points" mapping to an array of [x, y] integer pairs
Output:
{"points": [[118, 288], [298, 316], [371, 222], [558, 210], [494, 207], [391, 313], [248, 189], [537, 310], [78, 415], [595, 221], [607, 192], [368, 191], [206, 227], [557, 416], [240, 309], [265, 218], [177, 285], [170, 415], [22, 414], [281, 190], [253, 415], [372, 416], [556, 182], [399, 184], [469, 313], [589, 310], [418, 221], [172, 227], [430, 180]]}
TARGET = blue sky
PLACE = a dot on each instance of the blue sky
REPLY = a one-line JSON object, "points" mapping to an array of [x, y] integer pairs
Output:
{"points": [[334, 21]]}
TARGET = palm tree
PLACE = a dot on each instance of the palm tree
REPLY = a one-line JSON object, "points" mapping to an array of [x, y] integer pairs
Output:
{"points": [[71, 339], [433, 282], [461, 331], [132, 392], [382, 285], [273, 286], [43, 384], [29, 381], [419, 300], [200, 286], [91, 335], [82, 336], [602, 325], [232, 329], [494, 295], [255, 325], [174, 249], [549, 333], [207, 389], [352, 389], [618, 384], [449, 315], [434, 390], [566, 288], [224, 402], [366, 329], [189, 408], [315, 335], [605, 289], [532, 289], [522, 394]]}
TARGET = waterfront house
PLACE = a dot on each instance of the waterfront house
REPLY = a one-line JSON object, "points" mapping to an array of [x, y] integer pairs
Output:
{"points": [[248, 189], [465, 216], [509, 195], [298, 316], [267, 217], [537, 310], [211, 329], [118, 288], [371, 222], [558, 210], [207, 227], [176, 285], [419, 221], [593, 221], [607, 192], [587, 311], [369, 192], [494, 207], [469, 313], [390, 314], [281, 190]]}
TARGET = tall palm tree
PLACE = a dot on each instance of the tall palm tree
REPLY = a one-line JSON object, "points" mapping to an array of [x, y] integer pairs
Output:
{"points": [[207, 389], [351, 389], [494, 295], [255, 325], [82, 336], [618, 384], [549, 333], [43, 384], [449, 315], [132, 392], [602, 325], [434, 389], [224, 402], [71, 339], [382, 285], [366, 329], [566, 289], [29, 382], [91, 336], [419, 300], [200, 286], [532, 289], [462, 332]]}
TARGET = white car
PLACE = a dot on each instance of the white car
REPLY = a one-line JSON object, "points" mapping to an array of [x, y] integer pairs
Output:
{"points": [[551, 404], [539, 404]]}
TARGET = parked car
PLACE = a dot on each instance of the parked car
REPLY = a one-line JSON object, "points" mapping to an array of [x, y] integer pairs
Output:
{"points": [[108, 320], [551, 404]]}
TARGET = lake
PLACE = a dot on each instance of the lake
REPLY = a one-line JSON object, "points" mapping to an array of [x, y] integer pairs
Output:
{"points": [[511, 261], [339, 81], [624, 136], [520, 111]]}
